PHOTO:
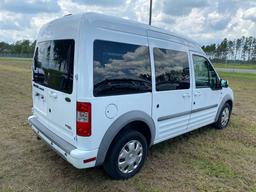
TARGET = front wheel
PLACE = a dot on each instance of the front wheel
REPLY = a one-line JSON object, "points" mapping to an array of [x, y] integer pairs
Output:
{"points": [[224, 117], [126, 155]]}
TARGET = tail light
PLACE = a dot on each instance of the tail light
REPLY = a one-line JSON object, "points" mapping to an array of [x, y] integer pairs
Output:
{"points": [[83, 119]]}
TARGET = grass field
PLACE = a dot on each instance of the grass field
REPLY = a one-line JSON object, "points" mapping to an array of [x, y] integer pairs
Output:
{"points": [[235, 66], [204, 160]]}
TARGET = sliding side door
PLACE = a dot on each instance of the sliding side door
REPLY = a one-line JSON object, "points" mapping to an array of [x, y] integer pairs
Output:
{"points": [[172, 91]]}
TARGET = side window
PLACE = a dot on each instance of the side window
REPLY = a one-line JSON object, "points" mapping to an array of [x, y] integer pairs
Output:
{"points": [[205, 75], [172, 69], [120, 68]]}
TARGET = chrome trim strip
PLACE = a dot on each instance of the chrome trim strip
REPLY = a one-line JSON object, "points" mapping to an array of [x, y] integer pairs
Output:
{"points": [[204, 108], [173, 116], [185, 113]]}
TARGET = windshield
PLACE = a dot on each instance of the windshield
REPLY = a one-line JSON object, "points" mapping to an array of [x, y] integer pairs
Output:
{"points": [[54, 65]]}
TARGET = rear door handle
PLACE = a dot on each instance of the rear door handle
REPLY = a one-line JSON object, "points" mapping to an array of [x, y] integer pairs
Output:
{"points": [[53, 94], [186, 95], [197, 93]]}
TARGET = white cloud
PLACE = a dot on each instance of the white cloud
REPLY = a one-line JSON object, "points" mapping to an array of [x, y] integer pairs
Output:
{"points": [[218, 21], [29, 6], [203, 20], [209, 22], [182, 7], [107, 3], [250, 14]]}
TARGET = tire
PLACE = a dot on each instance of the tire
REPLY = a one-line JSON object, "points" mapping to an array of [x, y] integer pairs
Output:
{"points": [[123, 162], [223, 118]]}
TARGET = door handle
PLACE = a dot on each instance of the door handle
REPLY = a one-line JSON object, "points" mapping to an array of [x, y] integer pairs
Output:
{"points": [[186, 95], [53, 95], [197, 93]]}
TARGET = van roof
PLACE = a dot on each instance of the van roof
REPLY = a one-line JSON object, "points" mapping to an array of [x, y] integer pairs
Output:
{"points": [[124, 25]]}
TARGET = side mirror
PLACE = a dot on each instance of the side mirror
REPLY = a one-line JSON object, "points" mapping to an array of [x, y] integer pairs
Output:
{"points": [[224, 83], [215, 84]]}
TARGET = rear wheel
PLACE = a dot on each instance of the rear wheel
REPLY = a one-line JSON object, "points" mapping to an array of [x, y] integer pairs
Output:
{"points": [[224, 117], [126, 155]]}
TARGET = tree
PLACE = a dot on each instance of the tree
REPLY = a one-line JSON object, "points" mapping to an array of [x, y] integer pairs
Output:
{"points": [[253, 58], [210, 50], [244, 48], [230, 49], [23, 47], [238, 46], [241, 49], [250, 47]]}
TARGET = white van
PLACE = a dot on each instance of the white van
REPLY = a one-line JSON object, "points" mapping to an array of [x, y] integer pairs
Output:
{"points": [[105, 89]]}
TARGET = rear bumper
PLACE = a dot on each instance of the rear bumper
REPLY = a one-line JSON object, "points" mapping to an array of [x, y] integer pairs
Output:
{"points": [[66, 150]]}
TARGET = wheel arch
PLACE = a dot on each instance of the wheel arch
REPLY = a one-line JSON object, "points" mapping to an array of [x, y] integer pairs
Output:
{"points": [[132, 119], [226, 99]]}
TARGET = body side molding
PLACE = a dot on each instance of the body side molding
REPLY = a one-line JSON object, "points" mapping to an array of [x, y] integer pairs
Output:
{"points": [[204, 108], [186, 113]]}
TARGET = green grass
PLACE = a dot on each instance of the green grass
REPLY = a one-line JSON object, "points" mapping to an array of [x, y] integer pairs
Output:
{"points": [[13, 59], [248, 76], [235, 66], [213, 168], [204, 160]]}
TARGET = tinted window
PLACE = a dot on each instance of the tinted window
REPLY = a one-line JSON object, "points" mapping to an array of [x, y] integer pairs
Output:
{"points": [[172, 69], [54, 64], [120, 68], [204, 73]]}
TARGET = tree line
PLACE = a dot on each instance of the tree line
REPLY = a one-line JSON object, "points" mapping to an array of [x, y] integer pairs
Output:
{"points": [[240, 50], [22, 47]]}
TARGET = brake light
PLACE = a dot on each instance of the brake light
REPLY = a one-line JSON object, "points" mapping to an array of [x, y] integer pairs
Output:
{"points": [[83, 119]]}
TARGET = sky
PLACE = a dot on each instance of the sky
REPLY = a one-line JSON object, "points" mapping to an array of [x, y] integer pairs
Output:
{"points": [[205, 21]]}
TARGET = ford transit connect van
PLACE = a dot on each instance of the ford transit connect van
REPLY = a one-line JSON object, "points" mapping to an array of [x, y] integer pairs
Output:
{"points": [[105, 89]]}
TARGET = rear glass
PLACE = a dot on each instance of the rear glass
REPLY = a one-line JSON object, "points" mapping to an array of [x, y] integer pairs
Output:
{"points": [[54, 65]]}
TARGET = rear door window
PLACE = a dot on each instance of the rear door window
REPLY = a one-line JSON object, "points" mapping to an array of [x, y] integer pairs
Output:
{"points": [[54, 65], [120, 68]]}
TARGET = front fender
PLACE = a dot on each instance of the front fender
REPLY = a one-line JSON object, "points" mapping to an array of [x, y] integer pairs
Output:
{"points": [[228, 96]]}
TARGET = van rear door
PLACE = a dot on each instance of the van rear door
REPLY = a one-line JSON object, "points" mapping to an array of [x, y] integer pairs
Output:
{"points": [[53, 74]]}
